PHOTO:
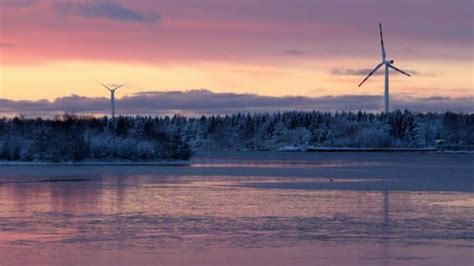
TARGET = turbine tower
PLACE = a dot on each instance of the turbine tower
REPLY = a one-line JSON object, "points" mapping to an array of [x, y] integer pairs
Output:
{"points": [[388, 64], [112, 95]]}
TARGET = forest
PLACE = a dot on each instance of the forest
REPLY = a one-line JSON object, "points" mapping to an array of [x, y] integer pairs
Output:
{"points": [[72, 138]]}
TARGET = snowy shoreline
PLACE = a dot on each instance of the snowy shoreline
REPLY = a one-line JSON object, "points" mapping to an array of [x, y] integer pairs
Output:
{"points": [[351, 149], [98, 163], [181, 163]]}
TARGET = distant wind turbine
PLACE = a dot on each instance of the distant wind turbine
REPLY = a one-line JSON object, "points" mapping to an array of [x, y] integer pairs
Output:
{"points": [[388, 64], [112, 95]]}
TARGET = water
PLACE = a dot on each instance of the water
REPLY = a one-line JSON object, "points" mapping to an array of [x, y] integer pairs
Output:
{"points": [[257, 208]]}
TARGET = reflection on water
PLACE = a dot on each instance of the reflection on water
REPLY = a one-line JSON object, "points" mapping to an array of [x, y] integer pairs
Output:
{"points": [[178, 212], [154, 209]]}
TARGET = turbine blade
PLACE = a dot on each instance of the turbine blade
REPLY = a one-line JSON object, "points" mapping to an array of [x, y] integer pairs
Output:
{"points": [[381, 42], [120, 85], [370, 74], [105, 86], [399, 70]]}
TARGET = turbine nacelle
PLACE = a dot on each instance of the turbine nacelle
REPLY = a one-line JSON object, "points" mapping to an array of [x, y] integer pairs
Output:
{"points": [[388, 62]]}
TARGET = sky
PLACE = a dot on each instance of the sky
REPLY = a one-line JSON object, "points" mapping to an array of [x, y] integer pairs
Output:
{"points": [[318, 51]]}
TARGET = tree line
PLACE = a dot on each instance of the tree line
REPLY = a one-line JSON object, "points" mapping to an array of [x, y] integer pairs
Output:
{"points": [[77, 138]]}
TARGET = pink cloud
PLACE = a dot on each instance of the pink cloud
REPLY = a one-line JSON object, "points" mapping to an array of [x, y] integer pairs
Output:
{"points": [[230, 31]]}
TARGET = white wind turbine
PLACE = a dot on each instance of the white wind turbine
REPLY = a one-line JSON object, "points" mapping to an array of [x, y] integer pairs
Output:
{"points": [[112, 95], [388, 64]]}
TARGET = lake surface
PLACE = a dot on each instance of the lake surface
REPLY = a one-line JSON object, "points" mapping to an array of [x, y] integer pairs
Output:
{"points": [[255, 208]]}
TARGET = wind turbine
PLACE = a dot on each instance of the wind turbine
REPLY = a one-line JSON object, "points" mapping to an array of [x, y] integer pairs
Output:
{"points": [[112, 95], [388, 64]]}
